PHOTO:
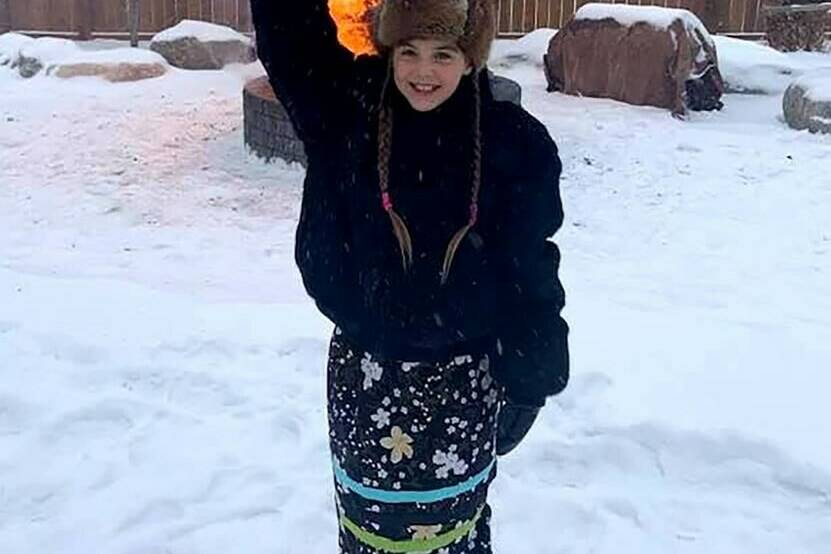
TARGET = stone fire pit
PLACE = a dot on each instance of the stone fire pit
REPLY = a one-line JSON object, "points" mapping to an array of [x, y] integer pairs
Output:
{"points": [[268, 129]]}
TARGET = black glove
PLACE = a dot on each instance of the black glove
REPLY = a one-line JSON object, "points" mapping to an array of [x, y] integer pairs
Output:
{"points": [[515, 420]]}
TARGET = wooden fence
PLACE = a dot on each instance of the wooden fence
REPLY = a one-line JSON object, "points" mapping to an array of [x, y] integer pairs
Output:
{"points": [[108, 18], [720, 16]]}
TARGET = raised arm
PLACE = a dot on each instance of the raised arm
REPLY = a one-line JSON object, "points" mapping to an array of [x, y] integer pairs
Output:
{"points": [[310, 71]]}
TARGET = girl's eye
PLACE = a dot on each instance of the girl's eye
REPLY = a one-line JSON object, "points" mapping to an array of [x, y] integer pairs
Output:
{"points": [[407, 53], [443, 57]]}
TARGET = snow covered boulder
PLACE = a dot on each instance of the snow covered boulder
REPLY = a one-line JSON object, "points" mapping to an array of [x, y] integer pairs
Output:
{"points": [[117, 65], [65, 59], [807, 102], [38, 54], [202, 45], [641, 55], [753, 68], [527, 50], [10, 46], [113, 72]]}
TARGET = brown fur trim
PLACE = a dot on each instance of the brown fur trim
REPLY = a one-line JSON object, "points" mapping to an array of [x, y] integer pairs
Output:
{"points": [[469, 23]]}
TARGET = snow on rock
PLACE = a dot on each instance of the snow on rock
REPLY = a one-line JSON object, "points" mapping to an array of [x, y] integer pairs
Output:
{"points": [[526, 50], [10, 46], [807, 102], [658, 17], [114, 55], [202, 31], [751, 67], [201, 45], [817, 85], [43, 52]]}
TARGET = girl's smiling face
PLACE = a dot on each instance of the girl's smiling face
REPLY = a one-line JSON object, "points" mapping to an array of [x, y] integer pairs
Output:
{"points": [[428, 71]]}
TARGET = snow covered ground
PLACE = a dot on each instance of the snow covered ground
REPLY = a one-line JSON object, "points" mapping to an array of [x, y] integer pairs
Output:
{"points": [[162, 371]]}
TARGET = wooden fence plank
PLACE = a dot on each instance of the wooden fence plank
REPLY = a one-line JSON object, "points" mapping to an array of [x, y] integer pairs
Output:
{"points": [[542, 13], [556, 14], [516, 15], [751, 13], [505, 16], [246, 25], [5, 17]]}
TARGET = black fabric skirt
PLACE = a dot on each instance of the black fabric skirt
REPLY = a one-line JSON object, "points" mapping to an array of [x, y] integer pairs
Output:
{"points": [[413, 451]]}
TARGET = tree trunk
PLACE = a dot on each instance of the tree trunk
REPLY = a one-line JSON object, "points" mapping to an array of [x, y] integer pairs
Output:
{"points": [[83, 9], [134, 21]]}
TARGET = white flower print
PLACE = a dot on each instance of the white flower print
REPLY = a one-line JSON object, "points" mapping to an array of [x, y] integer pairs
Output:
{"points": [[407, 366], [381, 418], [447, 462], [424, 532], [372, 371], [399, 443]]}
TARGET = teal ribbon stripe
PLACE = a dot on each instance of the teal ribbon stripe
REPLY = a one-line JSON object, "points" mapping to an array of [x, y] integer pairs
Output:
{"points": [[401, 497]]}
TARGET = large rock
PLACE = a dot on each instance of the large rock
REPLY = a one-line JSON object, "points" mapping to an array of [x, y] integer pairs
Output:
{"points": [[750, 67], [268, 129], [113, 72], [807, 102], [202, 45], [636, 54], [116, 65], [10, 46], [65, 59], [29, 56]]}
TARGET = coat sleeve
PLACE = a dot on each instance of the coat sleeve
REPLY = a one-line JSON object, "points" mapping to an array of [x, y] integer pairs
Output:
{"points": [[310, 71], [532, 360], [323, 253]]}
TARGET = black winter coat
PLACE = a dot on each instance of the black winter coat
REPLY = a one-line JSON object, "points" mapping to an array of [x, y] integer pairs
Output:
{"points": [[503, 290]]}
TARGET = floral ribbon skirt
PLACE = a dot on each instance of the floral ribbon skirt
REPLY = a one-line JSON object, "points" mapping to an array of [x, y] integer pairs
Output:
{"points": [[412, 451]]}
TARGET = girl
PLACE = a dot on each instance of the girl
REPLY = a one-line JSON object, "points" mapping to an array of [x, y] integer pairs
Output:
{"points": [[423, 236]]}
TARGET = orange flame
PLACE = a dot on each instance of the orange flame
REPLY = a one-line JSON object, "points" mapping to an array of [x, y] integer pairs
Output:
{"points": [[352, 19]]}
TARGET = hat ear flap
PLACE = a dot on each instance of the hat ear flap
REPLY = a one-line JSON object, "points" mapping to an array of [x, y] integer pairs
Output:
{"points": [[373, 18], [480, 32]]}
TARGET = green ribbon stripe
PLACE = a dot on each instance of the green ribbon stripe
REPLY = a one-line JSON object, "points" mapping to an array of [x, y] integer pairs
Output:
{"points": [[412, 545]]}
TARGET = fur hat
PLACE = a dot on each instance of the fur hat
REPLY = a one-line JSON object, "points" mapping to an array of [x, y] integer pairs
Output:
{"points": [[469, 23]]}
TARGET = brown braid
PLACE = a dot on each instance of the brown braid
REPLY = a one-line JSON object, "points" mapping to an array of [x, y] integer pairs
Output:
{"points": [[453, 246], [405, 242]]}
